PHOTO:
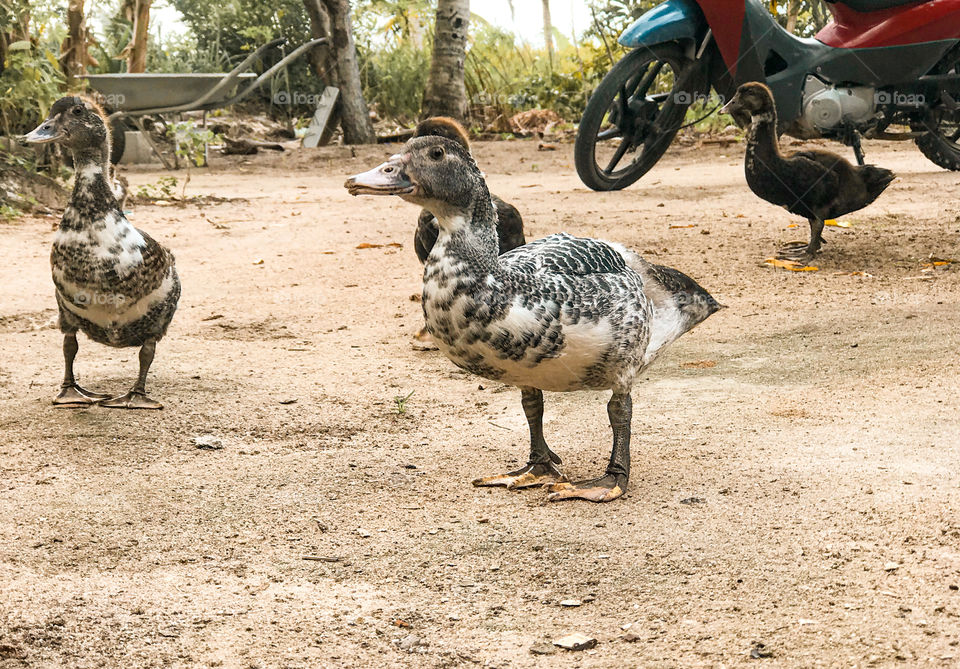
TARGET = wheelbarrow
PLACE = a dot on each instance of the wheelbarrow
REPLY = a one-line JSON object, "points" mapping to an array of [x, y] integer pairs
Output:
{"points": [[133, 96]]}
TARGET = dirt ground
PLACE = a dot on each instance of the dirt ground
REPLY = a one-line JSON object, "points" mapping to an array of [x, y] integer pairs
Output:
{"points": [[795, 492]]}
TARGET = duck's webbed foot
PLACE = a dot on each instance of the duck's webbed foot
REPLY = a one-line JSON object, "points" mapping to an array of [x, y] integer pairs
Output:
{"points": [[803, 251], [531, 474], [72, 396], [604, 489], [541, 468], [613, 483], [135, 399]]}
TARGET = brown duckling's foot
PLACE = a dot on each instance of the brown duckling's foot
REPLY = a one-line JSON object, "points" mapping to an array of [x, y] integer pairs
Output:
{"points": [[72, 396], [135, 399], [531, 474], [604, 489]]}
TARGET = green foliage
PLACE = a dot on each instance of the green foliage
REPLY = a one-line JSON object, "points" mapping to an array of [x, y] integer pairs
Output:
{"points": [[163, 189], [191, 141], [29, 85]]}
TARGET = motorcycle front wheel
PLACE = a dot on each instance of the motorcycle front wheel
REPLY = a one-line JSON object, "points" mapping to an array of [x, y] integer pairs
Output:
{"points": [[632, 117]]}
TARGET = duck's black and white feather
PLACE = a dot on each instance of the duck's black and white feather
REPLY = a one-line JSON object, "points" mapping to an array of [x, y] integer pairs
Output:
{"points": [[113, 282], [561, 313]]}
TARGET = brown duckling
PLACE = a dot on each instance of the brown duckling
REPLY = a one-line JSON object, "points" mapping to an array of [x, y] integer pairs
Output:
{"points": [[815, 184]]}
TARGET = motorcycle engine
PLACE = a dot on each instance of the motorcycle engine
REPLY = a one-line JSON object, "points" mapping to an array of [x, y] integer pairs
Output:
{"points": [[826, 106]]}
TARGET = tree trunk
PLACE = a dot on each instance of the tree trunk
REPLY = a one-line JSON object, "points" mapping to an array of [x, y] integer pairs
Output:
{"points": [[548, 31], [446, 93], [74, 50], [320, 56], [137, 56], [793, 12], [345, 73]]}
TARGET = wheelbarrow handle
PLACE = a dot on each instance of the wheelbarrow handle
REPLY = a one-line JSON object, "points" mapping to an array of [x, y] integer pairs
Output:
{"points": [[263, 78], [224, 83]]}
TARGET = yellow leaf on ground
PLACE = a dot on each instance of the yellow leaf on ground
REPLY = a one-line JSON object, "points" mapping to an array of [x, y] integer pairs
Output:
{"points": [[836, 224], [791, 265], [675, 227]]}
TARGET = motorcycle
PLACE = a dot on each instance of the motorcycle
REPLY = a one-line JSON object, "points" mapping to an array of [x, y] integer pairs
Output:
{"points": [[878, 63]]}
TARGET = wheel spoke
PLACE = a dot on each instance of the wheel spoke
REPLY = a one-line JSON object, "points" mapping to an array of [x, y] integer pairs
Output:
{"points": [[617, 156], [610, 133], [648, 78]]}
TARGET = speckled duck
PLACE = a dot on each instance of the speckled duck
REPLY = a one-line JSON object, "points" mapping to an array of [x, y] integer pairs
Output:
{"points": [[113, 282], [558, 314]]}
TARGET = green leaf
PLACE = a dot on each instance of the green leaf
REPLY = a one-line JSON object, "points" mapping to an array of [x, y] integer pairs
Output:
{"points": [[22, 45]]}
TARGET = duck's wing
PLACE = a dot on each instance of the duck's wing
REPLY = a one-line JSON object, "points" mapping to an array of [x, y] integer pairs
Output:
{"points": [[567, 255], [150, 274], [509, 225], [426, 235]]}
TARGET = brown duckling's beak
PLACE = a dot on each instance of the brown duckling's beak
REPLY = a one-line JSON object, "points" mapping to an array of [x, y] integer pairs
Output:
{"points": [[390, 178], [48, 131], [740, 115]]}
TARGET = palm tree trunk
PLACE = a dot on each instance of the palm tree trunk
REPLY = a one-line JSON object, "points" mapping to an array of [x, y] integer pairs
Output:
{"points": [[548, 31], [446, 93]]}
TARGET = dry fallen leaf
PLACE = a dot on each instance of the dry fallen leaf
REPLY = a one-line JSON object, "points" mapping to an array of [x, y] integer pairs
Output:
{"points": [[699, 364], [791, 265], [933, 262], [368, 245], [832, 222], [675, 227]]}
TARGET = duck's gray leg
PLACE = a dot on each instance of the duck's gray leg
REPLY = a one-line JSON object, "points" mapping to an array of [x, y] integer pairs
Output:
{"points": [[541, 468], [614, 483], [805, 251], [137, 397], [71, 394]]}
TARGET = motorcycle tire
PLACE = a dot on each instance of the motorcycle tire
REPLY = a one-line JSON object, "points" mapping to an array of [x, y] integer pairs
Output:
{"points": [[644, 124], [940, 149]]}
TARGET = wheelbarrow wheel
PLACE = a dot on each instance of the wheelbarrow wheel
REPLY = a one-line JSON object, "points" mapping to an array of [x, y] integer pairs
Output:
{"points": [[632, 117]]}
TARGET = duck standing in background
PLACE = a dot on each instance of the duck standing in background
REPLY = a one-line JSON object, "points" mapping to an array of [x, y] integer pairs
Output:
{"points": [[113, 282], [509, 222], [558, 314], [815, 184]]}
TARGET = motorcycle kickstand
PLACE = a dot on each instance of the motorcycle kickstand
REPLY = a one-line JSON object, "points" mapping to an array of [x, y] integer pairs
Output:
{"points": [[852, 138]]}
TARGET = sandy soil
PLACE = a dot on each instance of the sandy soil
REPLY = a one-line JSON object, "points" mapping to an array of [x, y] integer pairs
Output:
{"points": [[795, 493]]}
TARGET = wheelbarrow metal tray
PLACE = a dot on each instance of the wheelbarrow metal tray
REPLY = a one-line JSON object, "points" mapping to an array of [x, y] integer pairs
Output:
{"points": [[130, 92]]}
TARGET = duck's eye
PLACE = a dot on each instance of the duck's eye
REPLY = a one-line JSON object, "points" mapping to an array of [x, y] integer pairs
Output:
{"points": [[77, 110], [437, 153]]}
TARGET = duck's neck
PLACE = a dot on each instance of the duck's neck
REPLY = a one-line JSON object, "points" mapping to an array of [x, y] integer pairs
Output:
{"points": [[92, 195], [762, 137], [468, 234]]}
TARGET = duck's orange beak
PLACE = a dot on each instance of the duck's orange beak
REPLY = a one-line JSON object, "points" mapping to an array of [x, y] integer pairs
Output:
{"points": [[389, 178]]}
